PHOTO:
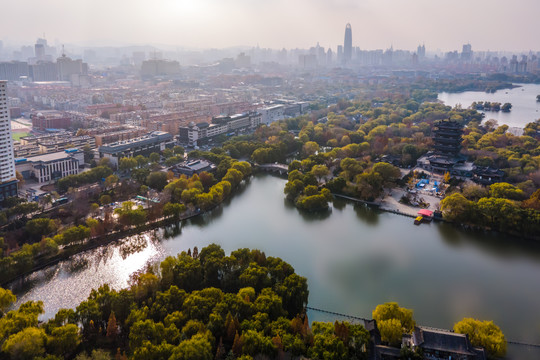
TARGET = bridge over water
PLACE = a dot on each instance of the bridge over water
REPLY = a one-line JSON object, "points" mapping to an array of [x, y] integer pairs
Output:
{"points": [[274, 167]]}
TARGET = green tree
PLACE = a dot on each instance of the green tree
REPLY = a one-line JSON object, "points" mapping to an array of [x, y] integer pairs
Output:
{"points": [[157, 180], [391, 310], [154, 157], [310, 148], [26, 344], [173, 209], [6, 299], [196, 348], [36, 228], [64, 340], [389, 172], [456, 207], [485, 334], [141, 161], [320, 171], [127, 163], [97, 354], [178, 150], [391, 331], [506, 191], [105, 199]]}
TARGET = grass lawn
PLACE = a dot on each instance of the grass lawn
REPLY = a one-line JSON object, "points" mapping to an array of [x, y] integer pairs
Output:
{"points": [[17, 135]]}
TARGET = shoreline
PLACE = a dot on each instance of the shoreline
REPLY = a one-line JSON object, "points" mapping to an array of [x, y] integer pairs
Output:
{"points": [[109, 238]]}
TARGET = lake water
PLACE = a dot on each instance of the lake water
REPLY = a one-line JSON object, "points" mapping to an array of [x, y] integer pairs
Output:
{"points": [[525, 108], [354, 258]]}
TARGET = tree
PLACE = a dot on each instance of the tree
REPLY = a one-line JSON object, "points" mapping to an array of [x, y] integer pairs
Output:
{"points": [[447, 177], [196, 348], [112, 327], [37, 228], [105, 199], [173, 209], [485, 334], [293, 189], [310, 148], [97, 354], [506, 190], [141, 161], [110, 181], [388, 172], [391, 331], [320, 171], [167, 153], [88, 153], [506, 107], [154, 157], [127, 163], [6, 299], [157, 180], [456, 207], [20, 178], [233, 176], [179, 150], [64, 340], [391, 310], [26, 344]]}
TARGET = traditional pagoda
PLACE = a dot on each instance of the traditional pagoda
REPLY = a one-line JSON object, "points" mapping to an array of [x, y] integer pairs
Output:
{"points": [[447, 139]]}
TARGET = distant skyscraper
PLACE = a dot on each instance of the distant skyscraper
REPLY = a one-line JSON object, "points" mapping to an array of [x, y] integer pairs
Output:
{"points": [[39, 50], [421, 51], [347, 45], [8, 180], [467, 53]]}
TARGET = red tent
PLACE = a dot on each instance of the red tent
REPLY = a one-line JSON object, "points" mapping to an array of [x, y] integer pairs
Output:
{"points": [[426, 212]]}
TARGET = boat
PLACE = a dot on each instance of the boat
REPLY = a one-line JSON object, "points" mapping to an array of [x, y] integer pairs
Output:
{"points": [[425, 215], [418, 220]]}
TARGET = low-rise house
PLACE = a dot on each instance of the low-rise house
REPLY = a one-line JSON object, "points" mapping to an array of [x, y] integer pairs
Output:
{"points": [[193, 167], [435, 344]]}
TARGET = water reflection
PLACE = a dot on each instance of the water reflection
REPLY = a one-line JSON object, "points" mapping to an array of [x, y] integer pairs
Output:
{"points": [[339, 204], [500, 245], [354, 259], [65, 285], [368, 215]]}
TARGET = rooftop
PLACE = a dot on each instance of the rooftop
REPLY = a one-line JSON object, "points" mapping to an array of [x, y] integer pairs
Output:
{"points": [[442, 340], [49, 157]]}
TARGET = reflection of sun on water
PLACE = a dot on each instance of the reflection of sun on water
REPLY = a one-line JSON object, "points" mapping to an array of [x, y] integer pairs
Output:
{"points": [[116, 268], [123, 268]]}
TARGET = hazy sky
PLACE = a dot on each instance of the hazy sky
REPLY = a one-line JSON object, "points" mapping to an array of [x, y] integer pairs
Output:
{"points": [[440, 24]]}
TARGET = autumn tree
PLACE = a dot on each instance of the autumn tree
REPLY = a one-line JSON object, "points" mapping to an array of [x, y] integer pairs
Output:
{"points": [[485, 334]]}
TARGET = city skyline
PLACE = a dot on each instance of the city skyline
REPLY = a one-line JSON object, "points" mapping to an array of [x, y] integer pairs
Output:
{"points": [[440, 25]]}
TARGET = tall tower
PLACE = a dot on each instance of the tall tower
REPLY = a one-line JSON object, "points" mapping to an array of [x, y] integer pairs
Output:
{"points": [[347, 45], [8, 180]]}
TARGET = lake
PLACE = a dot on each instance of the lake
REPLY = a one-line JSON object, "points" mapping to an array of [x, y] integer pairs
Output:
{"points": [[354, 258], [525, 108]]}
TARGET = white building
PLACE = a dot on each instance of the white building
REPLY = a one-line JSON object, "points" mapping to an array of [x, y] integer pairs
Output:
{"points": [[272, 113], [202, 133], [50, 167], [8, 180]]}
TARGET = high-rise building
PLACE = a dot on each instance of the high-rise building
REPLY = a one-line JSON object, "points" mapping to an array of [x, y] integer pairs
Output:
{"points": [[8, 180], [421, 51], [39, 50], [347, 45], [467, 53]]}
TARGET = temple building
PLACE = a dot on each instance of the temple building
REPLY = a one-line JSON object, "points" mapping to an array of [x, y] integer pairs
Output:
{"points": [[447, 145]]}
